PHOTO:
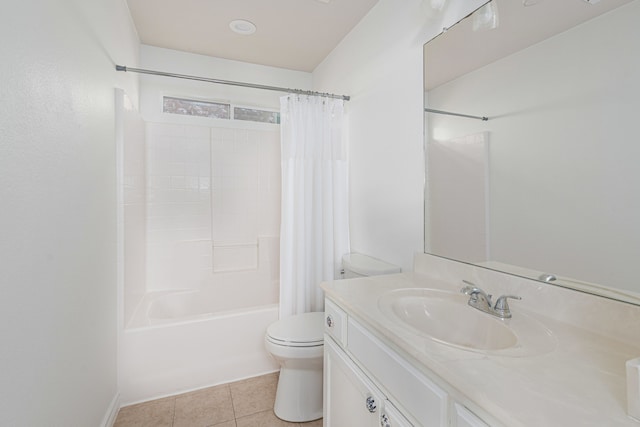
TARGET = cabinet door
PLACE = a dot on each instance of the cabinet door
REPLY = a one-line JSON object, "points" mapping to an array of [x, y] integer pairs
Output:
{"points": [[350, 399]]}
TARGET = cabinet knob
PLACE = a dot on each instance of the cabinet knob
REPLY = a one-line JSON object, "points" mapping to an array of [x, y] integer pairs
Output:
{"points": [[330, 322], [371, 404], [384, 421]]}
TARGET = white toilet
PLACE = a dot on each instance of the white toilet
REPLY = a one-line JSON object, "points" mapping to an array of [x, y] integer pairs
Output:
{"points": [[297, 344]]}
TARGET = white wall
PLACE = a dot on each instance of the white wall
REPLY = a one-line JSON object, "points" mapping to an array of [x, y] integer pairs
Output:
{"points": [[564, 186], [58, 208], [379, 64]]}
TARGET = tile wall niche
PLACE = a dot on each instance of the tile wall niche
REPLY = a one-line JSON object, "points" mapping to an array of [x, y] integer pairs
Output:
{"points": [[212, 206]]}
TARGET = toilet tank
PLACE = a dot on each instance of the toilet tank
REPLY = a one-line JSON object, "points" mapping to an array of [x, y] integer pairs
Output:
{"points": [[359, 265]]}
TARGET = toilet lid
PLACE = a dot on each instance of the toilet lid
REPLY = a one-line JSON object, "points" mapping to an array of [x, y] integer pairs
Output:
{"points": [[305, 328], [367, 266]]}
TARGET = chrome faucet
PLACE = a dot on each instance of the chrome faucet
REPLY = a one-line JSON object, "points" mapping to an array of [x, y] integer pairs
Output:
{"points": [[479, 299]]}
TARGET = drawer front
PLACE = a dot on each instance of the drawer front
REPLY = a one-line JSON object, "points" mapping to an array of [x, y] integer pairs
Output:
{"points": [[465, 418], [335, 322], [391, 417], [424, 401]]}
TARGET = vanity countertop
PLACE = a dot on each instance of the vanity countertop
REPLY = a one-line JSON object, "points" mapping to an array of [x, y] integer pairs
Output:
{"points": [[579, 381]]}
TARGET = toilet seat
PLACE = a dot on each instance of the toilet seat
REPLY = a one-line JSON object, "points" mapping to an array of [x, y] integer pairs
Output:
{"points": [[301, 330]]}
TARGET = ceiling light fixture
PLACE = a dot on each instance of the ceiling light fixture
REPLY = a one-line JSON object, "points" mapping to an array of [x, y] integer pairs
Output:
{"points": [[242, 26], [485, 18], [437, 4]]}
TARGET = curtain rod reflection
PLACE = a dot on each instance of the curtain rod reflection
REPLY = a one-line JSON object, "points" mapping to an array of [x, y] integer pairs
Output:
{"points": [[430, 110]]}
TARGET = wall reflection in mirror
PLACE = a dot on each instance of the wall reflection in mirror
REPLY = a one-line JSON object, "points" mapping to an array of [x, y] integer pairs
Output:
{"points": [[549, 186]]}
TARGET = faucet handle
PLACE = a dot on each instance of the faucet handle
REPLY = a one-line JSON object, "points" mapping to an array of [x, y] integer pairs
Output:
{"points": [[502, 306], [476, 293], [469, 287]]}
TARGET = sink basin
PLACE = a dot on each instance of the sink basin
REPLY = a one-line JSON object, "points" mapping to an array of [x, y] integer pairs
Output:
{"points": [[447, 318]]}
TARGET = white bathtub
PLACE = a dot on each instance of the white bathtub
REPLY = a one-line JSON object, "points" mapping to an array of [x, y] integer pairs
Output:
{"points": [[185, 306], [181, 341]]}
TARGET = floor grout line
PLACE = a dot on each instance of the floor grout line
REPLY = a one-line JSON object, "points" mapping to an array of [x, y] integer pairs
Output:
{"points": [[233, 405], [173, 419]]}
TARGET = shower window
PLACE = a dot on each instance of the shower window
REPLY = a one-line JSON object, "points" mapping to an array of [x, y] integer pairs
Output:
{"points": [[256, 115], [191, 107], [218, 110]]}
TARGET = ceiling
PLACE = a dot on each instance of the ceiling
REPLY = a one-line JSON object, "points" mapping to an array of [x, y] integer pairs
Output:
{"points": [[291, 34], [464, 50]]}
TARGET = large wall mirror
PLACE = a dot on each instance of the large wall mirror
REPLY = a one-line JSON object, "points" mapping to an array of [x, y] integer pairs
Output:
{"points": [[548, 186]]}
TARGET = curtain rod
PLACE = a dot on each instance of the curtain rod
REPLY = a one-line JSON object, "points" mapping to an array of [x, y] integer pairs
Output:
{"points": [[232, 83], [429, 110]]}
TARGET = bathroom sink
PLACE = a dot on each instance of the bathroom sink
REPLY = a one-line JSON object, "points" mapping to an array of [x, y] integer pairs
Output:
{"points": [[446, 317]]}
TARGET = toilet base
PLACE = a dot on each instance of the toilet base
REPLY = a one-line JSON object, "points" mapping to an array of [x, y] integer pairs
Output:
{"points": [[299, 394]]}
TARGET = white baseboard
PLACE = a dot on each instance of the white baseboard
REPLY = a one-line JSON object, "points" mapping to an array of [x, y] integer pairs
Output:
{"points": [[112, 412]]}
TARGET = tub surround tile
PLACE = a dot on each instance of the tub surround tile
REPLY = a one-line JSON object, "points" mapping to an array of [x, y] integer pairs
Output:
{"points": [[188, 168]]}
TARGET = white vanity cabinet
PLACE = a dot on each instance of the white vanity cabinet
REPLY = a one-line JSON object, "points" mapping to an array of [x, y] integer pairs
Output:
{"points": [[367, 383], [350, 398]]}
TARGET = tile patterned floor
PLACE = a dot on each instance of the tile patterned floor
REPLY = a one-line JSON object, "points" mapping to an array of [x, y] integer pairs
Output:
{"points": [[247, 403]]}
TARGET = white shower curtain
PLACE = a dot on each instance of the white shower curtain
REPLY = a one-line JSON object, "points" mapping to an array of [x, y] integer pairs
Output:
{"points": [[314, 232]]}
